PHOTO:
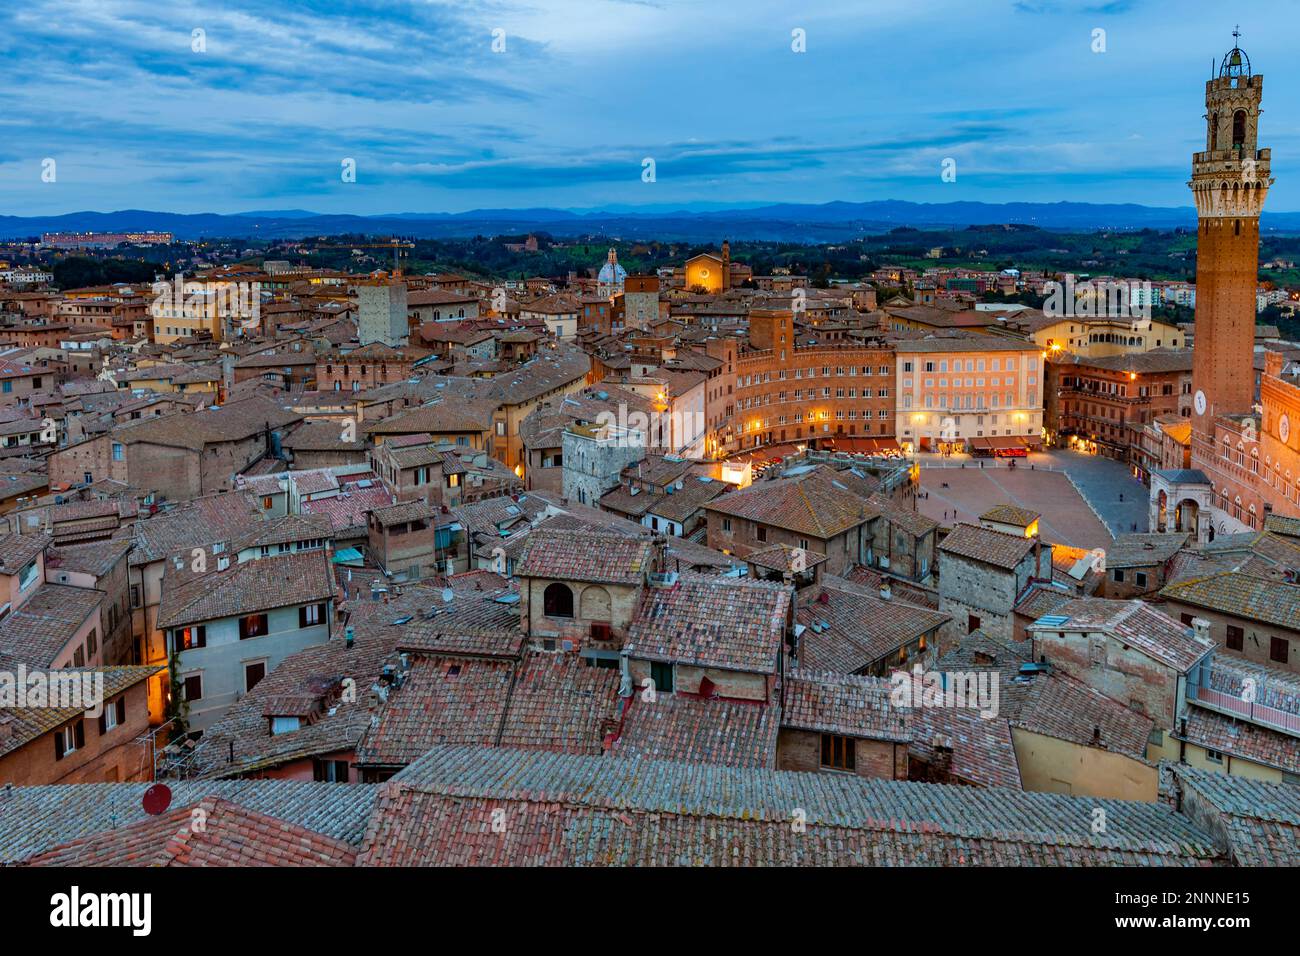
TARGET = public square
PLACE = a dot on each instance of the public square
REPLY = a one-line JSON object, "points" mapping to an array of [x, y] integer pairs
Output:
{"points": [[1069, 489]]}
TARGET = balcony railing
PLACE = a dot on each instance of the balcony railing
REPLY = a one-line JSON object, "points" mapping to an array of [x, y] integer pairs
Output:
{"points": [[1255, 713]]}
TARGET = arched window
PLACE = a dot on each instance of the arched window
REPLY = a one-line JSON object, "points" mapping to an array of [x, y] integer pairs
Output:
{"points": [[557, 600], [1238, 128]]}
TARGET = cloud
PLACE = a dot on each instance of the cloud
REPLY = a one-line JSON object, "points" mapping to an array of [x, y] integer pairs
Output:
{"points": [[279, 94]]}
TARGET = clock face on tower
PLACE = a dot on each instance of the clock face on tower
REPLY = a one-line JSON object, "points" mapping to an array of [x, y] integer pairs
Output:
{"points": [[1200, 402], [1284, 428]]}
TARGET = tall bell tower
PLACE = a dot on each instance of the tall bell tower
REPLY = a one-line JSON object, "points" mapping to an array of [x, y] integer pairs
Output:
{"points": [[1229, 182]]}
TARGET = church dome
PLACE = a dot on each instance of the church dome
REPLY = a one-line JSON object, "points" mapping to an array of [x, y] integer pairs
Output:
{"points": [[611, 273]]}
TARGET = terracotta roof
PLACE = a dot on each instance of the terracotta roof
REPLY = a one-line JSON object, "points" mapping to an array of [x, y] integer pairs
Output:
{"points": [[192, 524], [1283, 525], [1242, 740], [320, 436], [231, 835], [821, 503], [682, 552], [196, 430], [901, 518], [1153, 361], [488, 518], [241, 740], [283, 530], [448, 414], [585, 556], [737, 733], [843, 704], [477, 621], [1241, 595], [996, 548], [559, 702], [1136, 624], [907, 591], [682, 503], [1261, 820], [347, 513], [258, 585], [441, 700], [37, 633], [963, 343], [1040, 599], [983, 753], [437, 297], [1143, 550], [783, 558], [543, 427], [853, 627], [1056, 706], [704, 621], [96, 558], [1010, 514], [17, 549], [36, 819], [978, 651], [567, 809], [549, 370], [404, 512], [19, 726]]}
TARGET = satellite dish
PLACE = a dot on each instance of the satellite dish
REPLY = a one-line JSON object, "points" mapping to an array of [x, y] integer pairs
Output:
{"points": [[447, 595], [157, 799]]}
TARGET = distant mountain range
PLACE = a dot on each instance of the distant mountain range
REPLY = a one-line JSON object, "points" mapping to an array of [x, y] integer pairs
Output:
{"points": [[786, 222]]}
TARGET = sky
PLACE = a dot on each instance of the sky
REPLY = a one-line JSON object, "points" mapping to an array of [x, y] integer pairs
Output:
{"points": [[250, 105]]}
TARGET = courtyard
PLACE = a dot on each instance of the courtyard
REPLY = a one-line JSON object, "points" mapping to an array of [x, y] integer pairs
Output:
{"points": [[1060, 485]]}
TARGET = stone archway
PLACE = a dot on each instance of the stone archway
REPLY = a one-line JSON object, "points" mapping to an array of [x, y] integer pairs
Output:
{"points": [[1181, 500], [1187, 515]]}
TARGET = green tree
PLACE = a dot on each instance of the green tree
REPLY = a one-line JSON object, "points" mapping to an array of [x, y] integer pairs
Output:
{"points": [[178, 708]]}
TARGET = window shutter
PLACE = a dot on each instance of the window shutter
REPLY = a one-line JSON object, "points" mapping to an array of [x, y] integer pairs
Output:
{"points": [[81, 733], [302, 617], [58, 745], [121, 711], [103, 723]]}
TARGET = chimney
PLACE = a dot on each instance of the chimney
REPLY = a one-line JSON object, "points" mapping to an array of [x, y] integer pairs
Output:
{"points": [[661, 553], [624, 675], [349, 636], [885, 592], [1201, 628], [1096, 735], [941, 767]]}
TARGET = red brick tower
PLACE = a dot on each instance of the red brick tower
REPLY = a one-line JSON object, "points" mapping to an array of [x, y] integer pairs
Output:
{"points": [[1229, 182]]}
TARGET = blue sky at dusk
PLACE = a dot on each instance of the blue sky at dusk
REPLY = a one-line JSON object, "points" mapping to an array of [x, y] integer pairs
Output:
{"points": [[584, 91]]}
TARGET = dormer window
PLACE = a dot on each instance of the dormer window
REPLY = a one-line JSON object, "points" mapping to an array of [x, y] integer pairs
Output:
{"points": [[285, 725], [27, 576]]}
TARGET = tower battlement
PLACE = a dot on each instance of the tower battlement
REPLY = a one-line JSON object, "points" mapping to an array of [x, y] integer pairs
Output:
{"points": [[1231, 176]]}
